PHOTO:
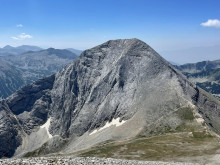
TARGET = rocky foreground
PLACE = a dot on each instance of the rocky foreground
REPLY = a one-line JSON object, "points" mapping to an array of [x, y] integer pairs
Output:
{"points": [[82, 161]]}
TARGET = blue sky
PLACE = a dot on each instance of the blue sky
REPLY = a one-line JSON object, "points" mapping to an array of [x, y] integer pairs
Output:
{"points": [[163, 24]]}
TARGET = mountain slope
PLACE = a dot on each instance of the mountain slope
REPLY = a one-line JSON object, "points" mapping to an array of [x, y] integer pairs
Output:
{"points": [[205, 74], [176, 147], [117, 91]]}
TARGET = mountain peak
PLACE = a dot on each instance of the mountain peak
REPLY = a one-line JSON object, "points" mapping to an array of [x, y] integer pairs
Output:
{"points": [[29, 48], [114, 91], [124, 42], [8, 47], [50, 49], [131, 47], [114, 51]]}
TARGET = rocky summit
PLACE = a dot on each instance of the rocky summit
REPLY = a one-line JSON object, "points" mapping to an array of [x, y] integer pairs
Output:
{"points": [[115, 92]]}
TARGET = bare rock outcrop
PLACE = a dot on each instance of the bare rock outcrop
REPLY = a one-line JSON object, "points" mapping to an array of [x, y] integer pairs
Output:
{"points": [[115, 91]]}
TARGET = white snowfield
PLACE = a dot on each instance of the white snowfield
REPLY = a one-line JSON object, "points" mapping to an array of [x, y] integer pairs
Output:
{"points": [[46, 126], [115, 122]]}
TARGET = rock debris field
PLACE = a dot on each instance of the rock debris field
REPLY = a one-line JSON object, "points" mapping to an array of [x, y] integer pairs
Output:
{"points": [[82, 161]]}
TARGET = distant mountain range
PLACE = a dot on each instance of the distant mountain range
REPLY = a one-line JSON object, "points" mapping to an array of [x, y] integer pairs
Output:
{"points": [[205, 74], [19, 70], [9, 50]]}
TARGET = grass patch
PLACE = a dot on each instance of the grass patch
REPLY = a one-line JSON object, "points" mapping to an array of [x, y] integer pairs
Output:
{"points": [[36, 152], [186, 113], [201, 135], [165, 126], [165, 147]]}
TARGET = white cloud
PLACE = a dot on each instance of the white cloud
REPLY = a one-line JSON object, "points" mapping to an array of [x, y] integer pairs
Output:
{"points": [[211, 23], [19, 25], [22, 36]]}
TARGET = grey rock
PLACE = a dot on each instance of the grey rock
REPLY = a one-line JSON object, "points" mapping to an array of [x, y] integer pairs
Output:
{"points": [[9, 131], [32, 103], [120, 79]]}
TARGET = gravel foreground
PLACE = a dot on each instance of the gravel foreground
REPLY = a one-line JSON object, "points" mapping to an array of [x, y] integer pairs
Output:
{"points": [[82, 161]]}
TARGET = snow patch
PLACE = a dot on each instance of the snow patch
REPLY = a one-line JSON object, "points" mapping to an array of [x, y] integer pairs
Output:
{"points": [[115, 122], [46, 126]]}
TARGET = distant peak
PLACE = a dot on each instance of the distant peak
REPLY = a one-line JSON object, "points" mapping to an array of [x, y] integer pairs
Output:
{"points": [[51, 49], [8, 47], [55, 51], [29, 47]]}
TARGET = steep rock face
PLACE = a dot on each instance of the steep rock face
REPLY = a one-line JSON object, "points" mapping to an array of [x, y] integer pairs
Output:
{"points": [[9, 131], [31, 104], [22, 113], [114, 80], [115, 91]]}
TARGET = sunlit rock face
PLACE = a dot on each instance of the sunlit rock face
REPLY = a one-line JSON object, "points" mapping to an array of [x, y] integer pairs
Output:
{"points": [[115, 91]]}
